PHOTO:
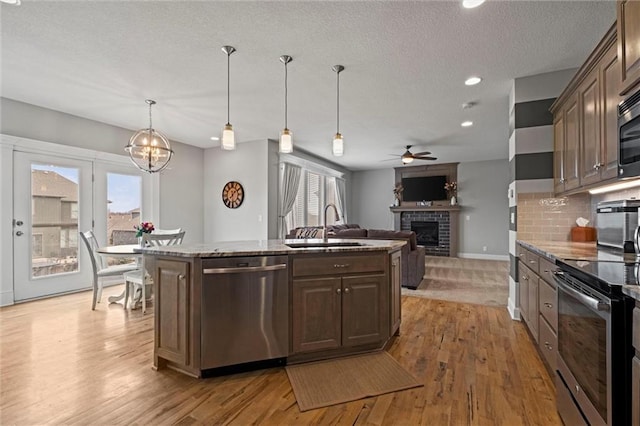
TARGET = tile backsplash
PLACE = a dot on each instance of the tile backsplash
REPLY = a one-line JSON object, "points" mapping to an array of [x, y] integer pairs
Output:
{"points": [[543, 216]]}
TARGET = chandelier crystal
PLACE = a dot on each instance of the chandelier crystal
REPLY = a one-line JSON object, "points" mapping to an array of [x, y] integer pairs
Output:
{"points": [[149, 149]]}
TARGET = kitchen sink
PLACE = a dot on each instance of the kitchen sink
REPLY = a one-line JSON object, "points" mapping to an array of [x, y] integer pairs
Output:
{"points": [[321, 243]]}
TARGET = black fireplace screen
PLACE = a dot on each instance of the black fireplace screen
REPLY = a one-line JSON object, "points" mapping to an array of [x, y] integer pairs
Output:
{"points": [[427, 233]]}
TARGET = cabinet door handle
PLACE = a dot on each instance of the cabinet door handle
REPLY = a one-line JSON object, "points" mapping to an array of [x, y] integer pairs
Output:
{"points": [[338, 290], [346, 290], [181, 277], [532, 262], [548, 346], [524, 277], [340, 265], [548, 305]]}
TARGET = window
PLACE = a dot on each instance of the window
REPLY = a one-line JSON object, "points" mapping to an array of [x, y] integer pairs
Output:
{"points": [[315, 191], [74, 210]]}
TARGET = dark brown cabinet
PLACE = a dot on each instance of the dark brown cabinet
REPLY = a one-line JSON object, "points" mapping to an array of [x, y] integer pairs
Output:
{"points": [[538, 302], [585, 122], [395, 293], [635, 367], [339, 302], [172, 293], [628, 28]]}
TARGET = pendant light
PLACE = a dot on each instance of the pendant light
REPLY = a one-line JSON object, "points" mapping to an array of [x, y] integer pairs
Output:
{"points": [[149, 149], [286, 139], [338, 142], [228, 137]]}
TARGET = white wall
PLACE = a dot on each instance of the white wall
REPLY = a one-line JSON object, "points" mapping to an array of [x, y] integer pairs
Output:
{"points": [[371, 196], [248, 165], [484, 219]]}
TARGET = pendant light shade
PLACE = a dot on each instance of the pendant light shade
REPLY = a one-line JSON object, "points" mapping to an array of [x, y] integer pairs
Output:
{"points": [[228, 140], [149, 149], [338, 142], [286, 138]]}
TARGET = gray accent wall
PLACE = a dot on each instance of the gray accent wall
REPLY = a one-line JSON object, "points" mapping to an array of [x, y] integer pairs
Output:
{"points": [[372, 194], [482, 195]]}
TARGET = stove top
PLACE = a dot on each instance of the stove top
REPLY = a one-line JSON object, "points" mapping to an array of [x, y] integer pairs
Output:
{"points": [[607, 277]]}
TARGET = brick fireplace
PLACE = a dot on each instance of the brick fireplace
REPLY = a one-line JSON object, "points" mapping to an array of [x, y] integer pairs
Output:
{"points": [[436, 227]]}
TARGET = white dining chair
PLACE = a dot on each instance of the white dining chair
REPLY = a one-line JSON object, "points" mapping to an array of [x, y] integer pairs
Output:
{"points": [[134, 279], [100, 267], [166, 231]]}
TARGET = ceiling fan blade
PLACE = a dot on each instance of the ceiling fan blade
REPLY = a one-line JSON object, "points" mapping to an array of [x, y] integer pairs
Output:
{"points": [[422, 153], [424, 158]]}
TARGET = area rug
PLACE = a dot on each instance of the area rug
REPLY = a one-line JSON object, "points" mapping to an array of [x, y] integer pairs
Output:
{"points": [[323, 383], [478, 281]]}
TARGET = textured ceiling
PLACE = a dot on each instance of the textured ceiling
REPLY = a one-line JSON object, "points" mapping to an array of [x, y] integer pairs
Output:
{"points": [[403, 84]]}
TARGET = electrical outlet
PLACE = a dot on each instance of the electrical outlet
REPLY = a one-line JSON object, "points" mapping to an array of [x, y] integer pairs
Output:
{"points": [[259, 218], [484, 248], [467, 217]]}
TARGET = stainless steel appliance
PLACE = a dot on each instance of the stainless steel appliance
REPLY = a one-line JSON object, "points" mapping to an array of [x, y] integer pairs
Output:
{"points": [[629, 137], [593, 383], [245, 310], [616, 223]]}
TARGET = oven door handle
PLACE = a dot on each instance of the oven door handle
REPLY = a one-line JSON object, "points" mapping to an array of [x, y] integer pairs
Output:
{"points": [[594, 304]]}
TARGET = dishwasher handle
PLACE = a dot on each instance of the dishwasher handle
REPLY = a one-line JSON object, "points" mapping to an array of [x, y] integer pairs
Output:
{"points": [[240, 269]]}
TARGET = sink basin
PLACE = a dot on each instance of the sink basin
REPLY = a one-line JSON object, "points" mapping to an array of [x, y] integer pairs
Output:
{"points": [[321, 243]]}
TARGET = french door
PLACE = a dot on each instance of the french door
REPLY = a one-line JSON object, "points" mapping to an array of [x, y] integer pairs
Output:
{"points": [[55, 198], [53, 202]]}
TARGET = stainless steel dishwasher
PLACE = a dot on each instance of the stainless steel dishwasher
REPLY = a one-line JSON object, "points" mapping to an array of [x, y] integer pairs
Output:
{"points": [[245, 310]]}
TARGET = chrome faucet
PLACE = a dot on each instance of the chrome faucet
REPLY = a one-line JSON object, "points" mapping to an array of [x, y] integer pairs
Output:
{"points": [[324, 226]]}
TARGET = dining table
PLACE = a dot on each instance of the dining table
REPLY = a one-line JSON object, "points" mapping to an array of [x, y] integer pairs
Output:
{"points": [[122, 251]]}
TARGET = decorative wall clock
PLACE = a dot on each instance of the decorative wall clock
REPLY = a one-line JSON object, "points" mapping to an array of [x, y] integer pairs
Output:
{"points": [[233, 194]]}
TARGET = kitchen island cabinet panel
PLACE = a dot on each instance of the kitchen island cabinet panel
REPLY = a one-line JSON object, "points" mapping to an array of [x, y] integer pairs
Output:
{"points": [[316, 314], [395, 293], [364, 313]]}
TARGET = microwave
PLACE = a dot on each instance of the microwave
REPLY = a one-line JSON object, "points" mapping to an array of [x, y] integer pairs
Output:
{"points": [[629, 137]]}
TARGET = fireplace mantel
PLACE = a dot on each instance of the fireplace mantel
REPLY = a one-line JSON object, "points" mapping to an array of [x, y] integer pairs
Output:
{"points": [[451, 228]]}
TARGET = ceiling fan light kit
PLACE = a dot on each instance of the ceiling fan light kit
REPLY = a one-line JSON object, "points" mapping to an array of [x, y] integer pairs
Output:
{"points": [[228, 136], [286, 138], [408, 156], [338, 141], [149, 149]]}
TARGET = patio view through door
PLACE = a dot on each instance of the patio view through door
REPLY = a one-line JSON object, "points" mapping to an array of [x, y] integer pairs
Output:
{"points": [[55, 198], [52, 201]]}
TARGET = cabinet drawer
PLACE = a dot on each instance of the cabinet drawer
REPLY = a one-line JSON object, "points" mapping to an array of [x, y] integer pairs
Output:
{"points": [[521, 252], [338, 265], [548, 304], [533, 261], [546, 270], [548, 343]]}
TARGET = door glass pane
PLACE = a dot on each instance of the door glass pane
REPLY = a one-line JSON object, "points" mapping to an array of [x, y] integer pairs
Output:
{"points": [[313, 199], [54, 241], [124, 197], [330, 198]]}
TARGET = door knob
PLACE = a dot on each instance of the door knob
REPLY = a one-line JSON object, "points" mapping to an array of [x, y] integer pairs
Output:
{"points": [[19, 233], [338, 291], [346, 290], [19, 223]]}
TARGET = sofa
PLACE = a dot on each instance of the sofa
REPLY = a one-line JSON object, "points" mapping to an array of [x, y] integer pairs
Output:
{"points": [[412, 255]]}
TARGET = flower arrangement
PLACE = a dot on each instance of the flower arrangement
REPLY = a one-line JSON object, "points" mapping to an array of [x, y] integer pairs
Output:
{"points": [[144, 228], [397, 191], [451, 187]]}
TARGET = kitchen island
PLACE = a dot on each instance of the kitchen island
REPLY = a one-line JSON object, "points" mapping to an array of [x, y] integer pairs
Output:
{"points": [[229, 303]]}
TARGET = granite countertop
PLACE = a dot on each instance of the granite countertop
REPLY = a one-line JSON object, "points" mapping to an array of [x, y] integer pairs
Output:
{"points": [[569, 250], [271, 247]]}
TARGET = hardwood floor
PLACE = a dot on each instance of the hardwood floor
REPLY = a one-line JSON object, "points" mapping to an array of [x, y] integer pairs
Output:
{"points": [[61, 363]]}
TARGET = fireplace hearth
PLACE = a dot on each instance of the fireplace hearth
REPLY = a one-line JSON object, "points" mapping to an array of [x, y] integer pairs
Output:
{"points": [[427, 233]]}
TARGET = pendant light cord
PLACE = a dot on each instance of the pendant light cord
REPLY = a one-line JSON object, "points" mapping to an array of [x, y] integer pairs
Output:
{"points": [[228, 83], [150, 122], [338, 104]]}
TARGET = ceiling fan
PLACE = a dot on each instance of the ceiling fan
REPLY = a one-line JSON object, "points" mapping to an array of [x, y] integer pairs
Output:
{"points": [[408, 156]]}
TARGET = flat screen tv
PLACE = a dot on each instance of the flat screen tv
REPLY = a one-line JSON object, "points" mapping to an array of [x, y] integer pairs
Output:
{"points": [[427, 188]]}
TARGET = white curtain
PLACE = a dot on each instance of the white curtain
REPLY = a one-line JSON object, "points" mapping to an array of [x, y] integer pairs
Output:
{"points": [[290, 180], [341, 198]]}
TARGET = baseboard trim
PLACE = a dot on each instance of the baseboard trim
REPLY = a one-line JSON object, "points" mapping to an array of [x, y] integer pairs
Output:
{"points": [[6, 298], [484, 256]]}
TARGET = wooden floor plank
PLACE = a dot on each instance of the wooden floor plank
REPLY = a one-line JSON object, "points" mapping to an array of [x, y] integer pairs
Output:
{"points": [[61, 363]]}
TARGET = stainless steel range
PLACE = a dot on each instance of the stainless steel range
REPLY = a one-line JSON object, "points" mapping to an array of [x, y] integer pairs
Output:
{"points": [[594, 342]]}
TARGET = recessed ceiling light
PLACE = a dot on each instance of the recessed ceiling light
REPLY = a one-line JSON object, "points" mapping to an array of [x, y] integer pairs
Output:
{"points": [[215, 138], [470, 4], [466, 123], [13, 2], [471, 81]]}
